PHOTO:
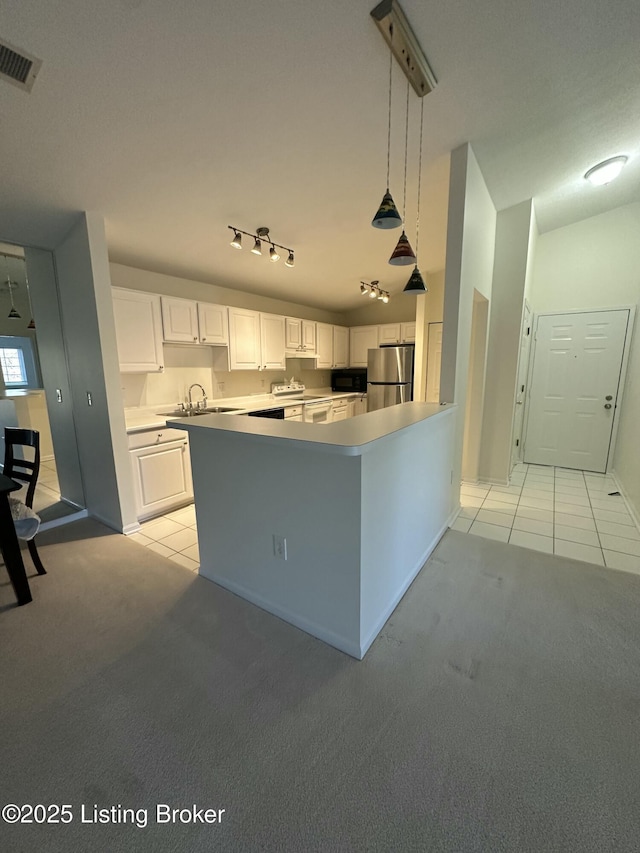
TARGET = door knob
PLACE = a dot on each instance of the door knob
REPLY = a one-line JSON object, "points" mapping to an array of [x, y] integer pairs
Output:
{"points": [[607, 405], [608, 397]]}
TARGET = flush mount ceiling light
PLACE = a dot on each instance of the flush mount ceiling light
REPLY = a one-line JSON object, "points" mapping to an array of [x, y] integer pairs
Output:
{"points": [[605, 172], [373, 291], [261, 235]]}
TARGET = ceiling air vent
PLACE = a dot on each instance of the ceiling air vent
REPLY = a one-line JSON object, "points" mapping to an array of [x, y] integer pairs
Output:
{"points": [[17, 66]]}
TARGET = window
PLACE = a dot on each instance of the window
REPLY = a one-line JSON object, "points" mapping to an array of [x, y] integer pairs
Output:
{"points": [[13, 369], [18, 362]]}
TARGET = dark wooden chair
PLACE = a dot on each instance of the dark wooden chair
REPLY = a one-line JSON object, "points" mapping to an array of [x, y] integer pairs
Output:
{"points": [[24, 471]]}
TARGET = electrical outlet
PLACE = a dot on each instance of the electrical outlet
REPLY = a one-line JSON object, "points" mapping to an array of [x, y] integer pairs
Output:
{"points": [[279, 547], [220, 386]]}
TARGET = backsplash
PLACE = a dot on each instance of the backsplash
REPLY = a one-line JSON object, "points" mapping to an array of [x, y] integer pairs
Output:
{"points": [[185, 365]]}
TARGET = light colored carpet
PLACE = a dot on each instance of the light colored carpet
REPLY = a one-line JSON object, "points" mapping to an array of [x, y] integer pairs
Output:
{"points": [[498, 710]]}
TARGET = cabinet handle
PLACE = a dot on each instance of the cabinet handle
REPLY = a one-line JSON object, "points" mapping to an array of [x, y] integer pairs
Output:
{"points": [[195, 339], [204, 339], [162, 367]]}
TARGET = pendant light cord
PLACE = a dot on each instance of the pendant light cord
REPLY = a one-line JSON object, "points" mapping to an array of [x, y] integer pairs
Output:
{"points": [[419, 178], [390, 86], [406, 149]]}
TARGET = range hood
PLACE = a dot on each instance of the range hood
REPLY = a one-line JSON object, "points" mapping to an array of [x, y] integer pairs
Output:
{"points": [[308, 356]]}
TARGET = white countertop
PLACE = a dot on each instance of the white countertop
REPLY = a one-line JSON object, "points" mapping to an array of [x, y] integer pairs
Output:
{"points": [[140, 419], [350, 437]]}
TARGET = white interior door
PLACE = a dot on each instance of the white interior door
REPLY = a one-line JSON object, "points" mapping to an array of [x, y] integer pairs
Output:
{"points": [[521, 387], [434, 360], [574, 388]]}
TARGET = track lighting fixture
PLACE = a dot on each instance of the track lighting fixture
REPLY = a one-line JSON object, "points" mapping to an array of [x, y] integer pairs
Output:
{"points": [[373, 291], [261, 235]]}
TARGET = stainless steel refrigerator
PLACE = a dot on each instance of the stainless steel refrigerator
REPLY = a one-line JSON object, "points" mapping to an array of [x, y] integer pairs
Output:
{"points": [[389, 376]]}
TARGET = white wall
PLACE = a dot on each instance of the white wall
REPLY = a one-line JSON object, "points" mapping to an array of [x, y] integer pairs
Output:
{"points": [[470, 253], [590, 265], [512, 270]]}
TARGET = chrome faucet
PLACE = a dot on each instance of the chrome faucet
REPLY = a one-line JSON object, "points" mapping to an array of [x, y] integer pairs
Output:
{"points": [[201, 403]]}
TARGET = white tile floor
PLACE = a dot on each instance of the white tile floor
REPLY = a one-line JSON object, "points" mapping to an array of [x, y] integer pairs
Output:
{"points": [[556, 510], [174, 536]]}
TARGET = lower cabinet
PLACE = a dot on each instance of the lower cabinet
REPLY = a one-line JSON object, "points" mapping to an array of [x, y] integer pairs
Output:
{"points": [[161, 471], [340, 410], [360, 405]]}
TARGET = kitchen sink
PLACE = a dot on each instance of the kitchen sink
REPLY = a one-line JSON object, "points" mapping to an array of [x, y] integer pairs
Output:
{"points": [[192, 413]]}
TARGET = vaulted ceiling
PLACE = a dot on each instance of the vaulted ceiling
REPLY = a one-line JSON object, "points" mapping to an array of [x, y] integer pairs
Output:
{"points": [[175, 120]]}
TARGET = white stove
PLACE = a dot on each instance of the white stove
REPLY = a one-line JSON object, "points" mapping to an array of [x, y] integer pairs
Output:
{"points": [[317, 409]]}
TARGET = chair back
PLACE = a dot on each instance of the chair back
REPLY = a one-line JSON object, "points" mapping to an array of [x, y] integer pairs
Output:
{"points": [[20, 469]]}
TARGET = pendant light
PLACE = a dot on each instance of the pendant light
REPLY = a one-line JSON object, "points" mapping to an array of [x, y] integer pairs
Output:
{"points": [[13, 314], [31, 324], [403, 254], [387, 216], [416, 282]]}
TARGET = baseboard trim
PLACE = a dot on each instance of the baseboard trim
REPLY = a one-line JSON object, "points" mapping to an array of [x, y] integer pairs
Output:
{"points": [[415, 571], [135, 527], [331, 638], [630, 505]]}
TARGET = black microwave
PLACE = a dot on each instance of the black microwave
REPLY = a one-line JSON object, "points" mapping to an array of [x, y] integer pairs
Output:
{"points": [[349, 379]]}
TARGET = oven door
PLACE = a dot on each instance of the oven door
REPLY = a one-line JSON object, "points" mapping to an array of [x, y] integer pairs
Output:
{"points": [[318, 413]]}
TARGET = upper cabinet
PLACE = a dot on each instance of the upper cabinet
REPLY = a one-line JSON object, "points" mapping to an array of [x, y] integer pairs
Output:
{"points": [[332, 345], [180, 320], [389, 334], [213, 323], [363, 338], [187, 322], [138, 323], [408, 333], [300, 335], [340, 346], [256, 341]]}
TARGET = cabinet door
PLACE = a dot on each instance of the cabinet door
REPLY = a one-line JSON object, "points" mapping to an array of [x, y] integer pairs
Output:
{"points": [[213, 323], [309, 336], [363, 338], [179, 320], [340, 346], [244, 339], [408, 332], [324, 342], [292, 333], [162, 477], [389, 334], [138, 324], [272, 341], [340, 412], [360, 405]]}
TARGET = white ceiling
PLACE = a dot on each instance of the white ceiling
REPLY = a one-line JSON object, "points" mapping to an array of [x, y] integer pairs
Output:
{"points": [[174, 120]]}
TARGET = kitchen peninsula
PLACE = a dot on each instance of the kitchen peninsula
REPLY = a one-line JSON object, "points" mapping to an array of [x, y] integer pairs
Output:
{"points": [[324, 526]]}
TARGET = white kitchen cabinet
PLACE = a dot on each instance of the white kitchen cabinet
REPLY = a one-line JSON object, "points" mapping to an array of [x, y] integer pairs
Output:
{"points": [[138, 323], [309, 335], [299, 335], [360, 405], [179, 320], [389, 334], [340, 410], [213, 323], [272, 342], [340, 346], [324, 343], [362, 339], [161, 471], [244, 339], [408, 333], [256, 341]]}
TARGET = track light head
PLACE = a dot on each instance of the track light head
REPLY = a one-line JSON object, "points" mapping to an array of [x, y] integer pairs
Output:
{"points": [[290, 260], [273, 253], [364, 288], [257, 247], [237, 240]]}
